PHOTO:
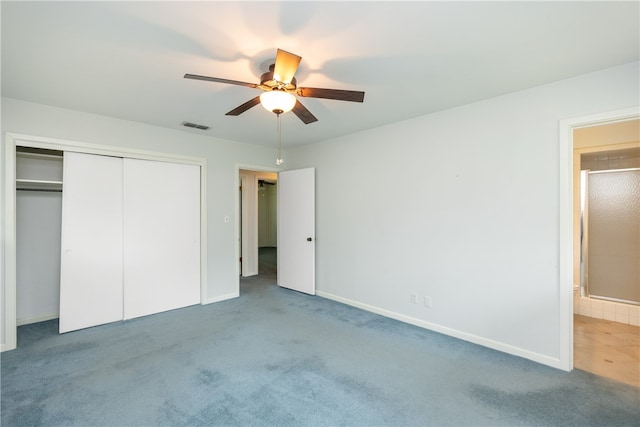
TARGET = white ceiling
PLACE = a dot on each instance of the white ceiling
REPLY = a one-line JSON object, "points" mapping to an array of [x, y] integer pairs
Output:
{"points": [[127, 60]]}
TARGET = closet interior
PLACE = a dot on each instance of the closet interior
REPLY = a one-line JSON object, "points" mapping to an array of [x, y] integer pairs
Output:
{"points": [[38, 230]]}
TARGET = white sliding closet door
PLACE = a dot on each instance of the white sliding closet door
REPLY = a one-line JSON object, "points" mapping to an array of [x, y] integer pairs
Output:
{"points": [[91, 258], [162, 236]]}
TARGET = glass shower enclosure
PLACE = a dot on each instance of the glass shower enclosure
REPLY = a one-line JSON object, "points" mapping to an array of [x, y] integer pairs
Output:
{"points": [[610, 235]]}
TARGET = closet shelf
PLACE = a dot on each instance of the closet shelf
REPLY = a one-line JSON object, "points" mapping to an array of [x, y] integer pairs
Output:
{"points": [[38, 184]]}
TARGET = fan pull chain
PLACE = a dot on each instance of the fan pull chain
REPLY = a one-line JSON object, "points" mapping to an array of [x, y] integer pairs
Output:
{"points": [[279, 159]]}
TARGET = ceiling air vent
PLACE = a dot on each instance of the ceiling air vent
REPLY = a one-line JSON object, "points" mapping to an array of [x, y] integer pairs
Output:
{"points": [[195, 125]]}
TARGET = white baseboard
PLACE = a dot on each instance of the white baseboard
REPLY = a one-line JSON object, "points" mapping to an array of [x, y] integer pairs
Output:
{"points": [[222, 298], [20, 322], [485, 342], [6, 347]]}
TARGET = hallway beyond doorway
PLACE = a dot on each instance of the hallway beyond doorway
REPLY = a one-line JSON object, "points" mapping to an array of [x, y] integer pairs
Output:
{"points": [[268, 262]]}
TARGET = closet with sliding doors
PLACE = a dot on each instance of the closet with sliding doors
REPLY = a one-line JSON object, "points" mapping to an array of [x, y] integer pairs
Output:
{"points": [[128, 241]]}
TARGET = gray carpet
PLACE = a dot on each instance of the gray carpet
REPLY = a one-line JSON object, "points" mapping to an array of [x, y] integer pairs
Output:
{"points": [[268, 262], [274, 357]]}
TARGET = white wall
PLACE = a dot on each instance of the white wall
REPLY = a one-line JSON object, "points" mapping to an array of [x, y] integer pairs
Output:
{"points": [[470, 216], [222, 159]]}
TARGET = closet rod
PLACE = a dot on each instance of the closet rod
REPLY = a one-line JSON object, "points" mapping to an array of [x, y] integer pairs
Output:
{"points": [[46, 190]]}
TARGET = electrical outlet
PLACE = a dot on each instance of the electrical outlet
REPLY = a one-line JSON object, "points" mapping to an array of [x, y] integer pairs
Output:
{"points": [[414, 299], [427, 301]]}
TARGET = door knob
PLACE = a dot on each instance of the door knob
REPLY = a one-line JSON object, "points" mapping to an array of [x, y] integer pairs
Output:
{"points": [[309, 239]]}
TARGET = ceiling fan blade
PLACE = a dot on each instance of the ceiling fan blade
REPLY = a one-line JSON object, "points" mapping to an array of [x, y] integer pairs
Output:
{"points": [[339, 94], [217, 80], [244, 107], [303, 114], [286, 66]]}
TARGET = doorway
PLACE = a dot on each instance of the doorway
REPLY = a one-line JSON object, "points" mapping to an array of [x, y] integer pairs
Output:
{"points": [[605, 319], [257, 227], [268, 227], [295, 245]]}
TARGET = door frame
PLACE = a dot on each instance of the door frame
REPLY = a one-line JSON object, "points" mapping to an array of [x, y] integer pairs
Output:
{"points": [[9, 226], [565, 241]]}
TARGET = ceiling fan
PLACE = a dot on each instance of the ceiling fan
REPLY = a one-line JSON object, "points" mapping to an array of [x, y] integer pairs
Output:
{"points": [[280, 86]]}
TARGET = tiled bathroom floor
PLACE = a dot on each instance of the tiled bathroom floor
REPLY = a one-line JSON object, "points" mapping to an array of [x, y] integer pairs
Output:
{"points": [[607, 348]]}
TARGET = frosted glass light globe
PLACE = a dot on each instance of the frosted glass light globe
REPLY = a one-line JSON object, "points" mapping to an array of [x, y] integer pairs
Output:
{"points": [[278, 101]]}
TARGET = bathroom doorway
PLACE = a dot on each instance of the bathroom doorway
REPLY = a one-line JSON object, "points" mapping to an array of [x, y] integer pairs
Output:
{"points": [[606, 303]]}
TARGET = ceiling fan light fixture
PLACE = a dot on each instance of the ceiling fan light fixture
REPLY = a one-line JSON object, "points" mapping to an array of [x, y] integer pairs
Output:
{"points": [[277, 101], [280, 84]]}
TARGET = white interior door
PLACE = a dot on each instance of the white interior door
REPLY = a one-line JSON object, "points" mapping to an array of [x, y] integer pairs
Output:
{"points": [[161, 236], [91, 248], [296, 230]]}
